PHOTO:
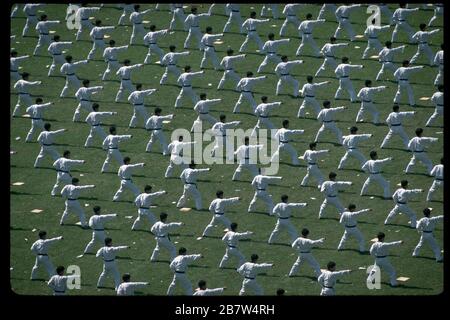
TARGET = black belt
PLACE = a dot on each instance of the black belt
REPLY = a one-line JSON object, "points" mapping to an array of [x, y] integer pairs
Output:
{"points": [[306, 32], [160, 236], [249, 278], [423, 42], [47, 145], [284, 74], [387, 61], [95, 125], [138, 104], [203, 112], [439, 105], [344, 77], [332, 196], [31, 15], [344, 17], [247, 158], [70, 74], [351, 148], [404, 79], [154, 129], [427, 231], [108, 260], [396, 125], [328, 287], [72, 199], [260, 189], [99, 229], [125, 178], [327, 121], [194, 26], [231, 246], [152, 42], [284, 218], [13, 70], [309, 96], [57, 291], [191, 183], [85, 100], [179, 271], [84, 19], [220, 213], [401, 20], [98, 38], [350, 226], [228, 69], [374, 173], [112, 148], [62, 171], [419, 151], [234, 10], [381, 256], [23, 93], [305, 251], [126, 79], [263, 116], [171, 64], [292, 15], [137, 22], [144, 208], [367, 100], [42, 254], [271, 52], [286, 141], [209, 46], [373, 37], [330, 56], [57, 54], [245, 91], [44, 34], [401, 202], [251, 30], [187, 86], [439, 179], [112, 60], [36, 118], [312, 164]]}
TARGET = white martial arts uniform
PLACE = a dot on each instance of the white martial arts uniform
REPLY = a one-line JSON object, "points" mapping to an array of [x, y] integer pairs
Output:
{"points": [[178, 13], [22, 87], [40, 249], [97, 35], [394, 121], [154, 124], [283, 137], [426, 227], [176, 156], [55, 49], [327, 6], [127, 288], [311, 158], [270, 49], [125, 173], [30, 10], [217, 208], [262, 112], [386, 57], [399, 18], [234, 15], [150, 39], [438, 11], [37, 125], [170, 61], [143, 202], [45, 139], [110, 56], [330, 191], [348, 220], [309, 97], [402, 75], [326, 116], [328, 51], [208, 292], [96, 222], [138, 27], [68, 69], [249, 270], [270, 7], [94, 120], [42, 27], [439, 60], [366, 96], [209, 52], [305, 31], [342, 16], [245, 86], [342, 73], [282, 70], [179, 267], [136, 98], [260, 183], [111, 144], [189, 179], [379, 250], [438, 174], [108, 254], [161, 231], [185, 81], [63, 176], [373, 167], [14, 67], [231, 239], [83, 13], [227, 63], [70, 193], [84, 97], [422, 38], [250, 26], [124, 73], [290, 12], [283, 213], [373, 43], [386, 12], [59, 284], [222, 140], [191, 23], [438, 100], [417, 146], [127, 10], [247, 158], [350, 143], [303, 247], [328, 279], [401, 197], [202, 109]]}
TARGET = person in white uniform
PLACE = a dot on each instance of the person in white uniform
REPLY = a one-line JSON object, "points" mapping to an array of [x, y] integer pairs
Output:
{"points": [[58, 282], [273, 7], [438, 99], [35, 111], [176, 149], [282, 211], [14, 65], [438, 11], [22, 87], [144, 202], [290, 12], [305, 31], [326, 116], [329, 277], [84, 13], [68, 69], [83, 96], [373, 168], [349, 221], [311, 157], [154, 125], [192, 23], [227, 64], [282, 71], [209, 52], [386, 12], [62, 167], [303, 246], [394, 121], [386, 57], [179, 267], [343, 17], [223, 144], [46, 139], [125, 173], [380, 251], [124, 73], [150, 39], [202, 109], [42, 27], [111, 144], [127, 287], [136, 98], [108, 254], [260, 184], [270, 48], [308, 92], [189, 179], [399, 19], [55, 49], [110, 56], [402, 75], [350, 143], [328, 51], [70, 193], [136, 20], [439, 61], [40, 249], [422, 37], [283, 136], [247, 158], [127, 10], [330, 190], [250, 26], [30, 10], [233, 15], [170, 62], [94, 119], [401, 197], [178, 14], [97, 35], [371, 34], [185, 82], [417, 145], [342, 72], [245, 86], [249, 271], [438, 182], [97, 224], [203, 291], [366, 97], [161, 231], [262, 112], [426, 226], [231, 239]]}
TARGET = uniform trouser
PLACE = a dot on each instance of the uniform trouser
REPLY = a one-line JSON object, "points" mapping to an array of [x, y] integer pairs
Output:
{"points": [[345, 84], [177, 14], [247, 96], [172, 69], [385, 265], [333, 201], [437, 12], [172, 165], [112, 153], [329, 61], [228, 74], [236, 17], [72, 81], [345, 24], [422, 157], [190, 189], [436, 184], [111, 67], [141, 214], [137, 29], [264, 196], [439, 77], [308, 101], [216, 219], [384, 67], [97, 236], [62, 179], [14, 76], [381, 181], [184, 281], [153, 49], [263, 121], [36, 126], [352, 232], [194, 31], [86, 105], [428, 237], [289, 149], [163, 243], [97, 130], [250, 167], [273, 57], [368, 106], [57, 60], [232, 252], [287, 79], [425, 49], [157, 135], [46, 150], [43, 260], [280, 225], [313, 170], [439, 111], [305, 257], [186, 91], [85, 25], [222, 144], [209, 53], [30, 23], [124, 85], [372, 44], [25, 100], [109, 268], [331, 126], [355, 154], [289, 20], [126, 184], [251, 35], [134, 118], [327, 292], [308, 39], [406, 27], [73, 206], [97, 45], [405, 209], [203, 117], [122, 18], [398, 130], [253, 285]]}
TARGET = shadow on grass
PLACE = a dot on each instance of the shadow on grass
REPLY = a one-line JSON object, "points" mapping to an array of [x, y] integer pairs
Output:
{"points": [[16, 193]]}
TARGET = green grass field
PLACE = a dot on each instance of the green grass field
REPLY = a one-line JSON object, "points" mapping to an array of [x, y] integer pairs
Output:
{"points": [[426, 276]]}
